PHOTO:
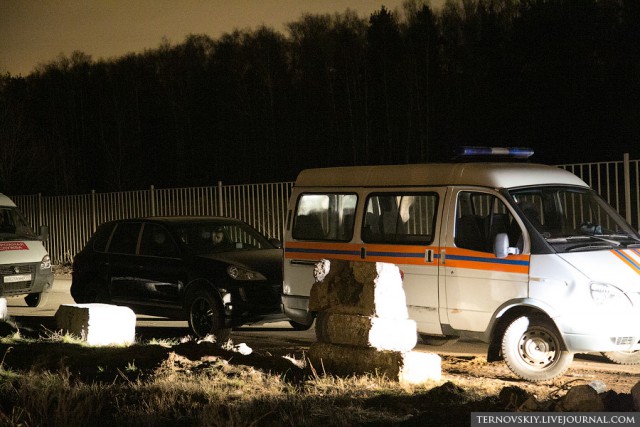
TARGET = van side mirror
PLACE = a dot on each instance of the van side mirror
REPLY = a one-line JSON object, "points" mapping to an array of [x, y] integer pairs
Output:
{"points": [[44, 233], [501, 246]]}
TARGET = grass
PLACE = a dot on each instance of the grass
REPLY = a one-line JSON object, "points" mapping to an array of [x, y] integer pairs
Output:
{"points": [[128, 387]]}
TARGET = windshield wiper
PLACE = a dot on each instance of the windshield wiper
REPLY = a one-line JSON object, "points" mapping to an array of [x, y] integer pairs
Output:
{"points": [[589, 246], [568, 239]]}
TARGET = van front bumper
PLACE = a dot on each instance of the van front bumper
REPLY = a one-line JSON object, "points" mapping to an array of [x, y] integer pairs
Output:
{"points": [[25, 279], [590, 332]]}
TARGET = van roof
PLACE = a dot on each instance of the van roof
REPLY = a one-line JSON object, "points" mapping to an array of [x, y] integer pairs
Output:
{"points": [[493, 175], [5, 201]]}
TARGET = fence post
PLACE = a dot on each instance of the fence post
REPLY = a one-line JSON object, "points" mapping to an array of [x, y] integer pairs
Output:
{"points": [[220, 200], [152, 200], [627, 187], [93, 211], [40, 214]]}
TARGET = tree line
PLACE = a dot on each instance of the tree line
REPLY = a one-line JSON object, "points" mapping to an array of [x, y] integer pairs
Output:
{"points": [[405, 86]]}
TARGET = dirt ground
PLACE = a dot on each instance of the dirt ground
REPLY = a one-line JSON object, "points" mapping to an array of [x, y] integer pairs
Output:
{"points": [[469, 383]]}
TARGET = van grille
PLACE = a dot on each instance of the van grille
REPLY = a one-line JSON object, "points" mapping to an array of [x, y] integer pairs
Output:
{"points": [[7, 286]]}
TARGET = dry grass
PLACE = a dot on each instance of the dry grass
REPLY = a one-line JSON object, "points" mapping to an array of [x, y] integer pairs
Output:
{"points": [[115, 386]]}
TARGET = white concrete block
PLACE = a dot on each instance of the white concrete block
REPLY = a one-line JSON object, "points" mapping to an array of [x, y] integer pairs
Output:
{"points": [[406, 367], [419, 368], [98, 324], [367, 331], [4, 315], [355, 287]]}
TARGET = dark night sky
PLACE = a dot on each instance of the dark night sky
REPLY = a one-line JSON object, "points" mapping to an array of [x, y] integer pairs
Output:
{"points": [[36, 32]]}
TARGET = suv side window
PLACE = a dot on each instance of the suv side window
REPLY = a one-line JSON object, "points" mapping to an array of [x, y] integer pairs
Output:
{"points": [[125, 238], [156, 241], [406, 218]]}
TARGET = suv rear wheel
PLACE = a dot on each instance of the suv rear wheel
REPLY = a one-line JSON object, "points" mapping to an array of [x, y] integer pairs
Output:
{"points": [[206, 316]]}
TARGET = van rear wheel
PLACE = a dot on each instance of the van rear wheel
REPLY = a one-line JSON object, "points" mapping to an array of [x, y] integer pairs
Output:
{"points": [[532, 349], [623, 357]]}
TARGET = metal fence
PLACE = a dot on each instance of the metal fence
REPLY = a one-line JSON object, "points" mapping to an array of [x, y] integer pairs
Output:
{"points": [[72, 219], [617, 182]]}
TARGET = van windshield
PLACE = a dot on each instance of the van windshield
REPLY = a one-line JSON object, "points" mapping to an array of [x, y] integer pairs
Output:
{"points": [[13, 226], [574, 219]]}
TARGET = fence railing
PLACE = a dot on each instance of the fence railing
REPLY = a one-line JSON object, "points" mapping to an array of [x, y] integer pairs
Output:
{"points": [[73, 219], [617, 182]]}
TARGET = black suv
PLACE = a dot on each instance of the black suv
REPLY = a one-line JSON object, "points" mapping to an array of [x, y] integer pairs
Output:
{"points": [[215, 272]]}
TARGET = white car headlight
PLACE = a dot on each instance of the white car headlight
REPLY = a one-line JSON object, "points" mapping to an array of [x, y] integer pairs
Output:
{"points": [[606, 294], [45, 264], [239, 273]]}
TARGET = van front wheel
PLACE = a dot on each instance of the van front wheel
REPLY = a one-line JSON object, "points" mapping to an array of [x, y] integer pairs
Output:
{"points": [[37, 300], [532, 348]]}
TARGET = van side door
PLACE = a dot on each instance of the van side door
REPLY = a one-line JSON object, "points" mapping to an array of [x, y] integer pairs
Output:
{"points": [[402, 227], [476, 281]]}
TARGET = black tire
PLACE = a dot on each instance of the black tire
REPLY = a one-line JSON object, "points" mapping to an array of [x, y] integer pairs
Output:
{"points": [[37, 300], [436, 341], [623, 357], [300, 326], [532, 349], [206, 316]]}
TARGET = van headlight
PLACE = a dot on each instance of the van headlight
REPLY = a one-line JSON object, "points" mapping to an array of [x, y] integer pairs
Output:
{"points": [[45, 264], [606, 294], [239, 273]]}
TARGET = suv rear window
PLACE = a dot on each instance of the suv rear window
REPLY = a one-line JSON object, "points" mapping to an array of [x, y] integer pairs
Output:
{"points": [[101, 237], [125, 238]]}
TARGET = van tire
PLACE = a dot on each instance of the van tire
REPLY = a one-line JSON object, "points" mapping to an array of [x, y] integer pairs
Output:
{"points": [[623, 357], [206, 317], [533, 349], [300, 326], [36, 300], [437, 341]]}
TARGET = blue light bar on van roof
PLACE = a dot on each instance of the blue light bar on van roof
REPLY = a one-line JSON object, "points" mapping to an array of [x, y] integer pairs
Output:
{"points": [[516, 152]]}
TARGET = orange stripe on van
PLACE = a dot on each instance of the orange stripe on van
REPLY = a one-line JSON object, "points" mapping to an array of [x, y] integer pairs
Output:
{"points": [[396, 254], [626, 257], [465, 258]]}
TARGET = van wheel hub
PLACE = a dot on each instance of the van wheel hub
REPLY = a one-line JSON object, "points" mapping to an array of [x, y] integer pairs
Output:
{"points": [[538, 348]]}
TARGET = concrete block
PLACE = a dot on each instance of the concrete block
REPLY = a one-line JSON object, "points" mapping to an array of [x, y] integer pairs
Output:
{"points": [[98, 324], [4, 315], [406, 367], [367, 331], [355, 287]]}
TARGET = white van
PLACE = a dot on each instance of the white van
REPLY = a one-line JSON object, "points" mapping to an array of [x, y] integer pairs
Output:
{"points": [[522, 256], [25, 267]]}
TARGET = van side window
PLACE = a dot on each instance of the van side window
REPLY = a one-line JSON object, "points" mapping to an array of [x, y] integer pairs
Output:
{"points": [[400, 218], [125, 238], [480, 217], [325, 217]]}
